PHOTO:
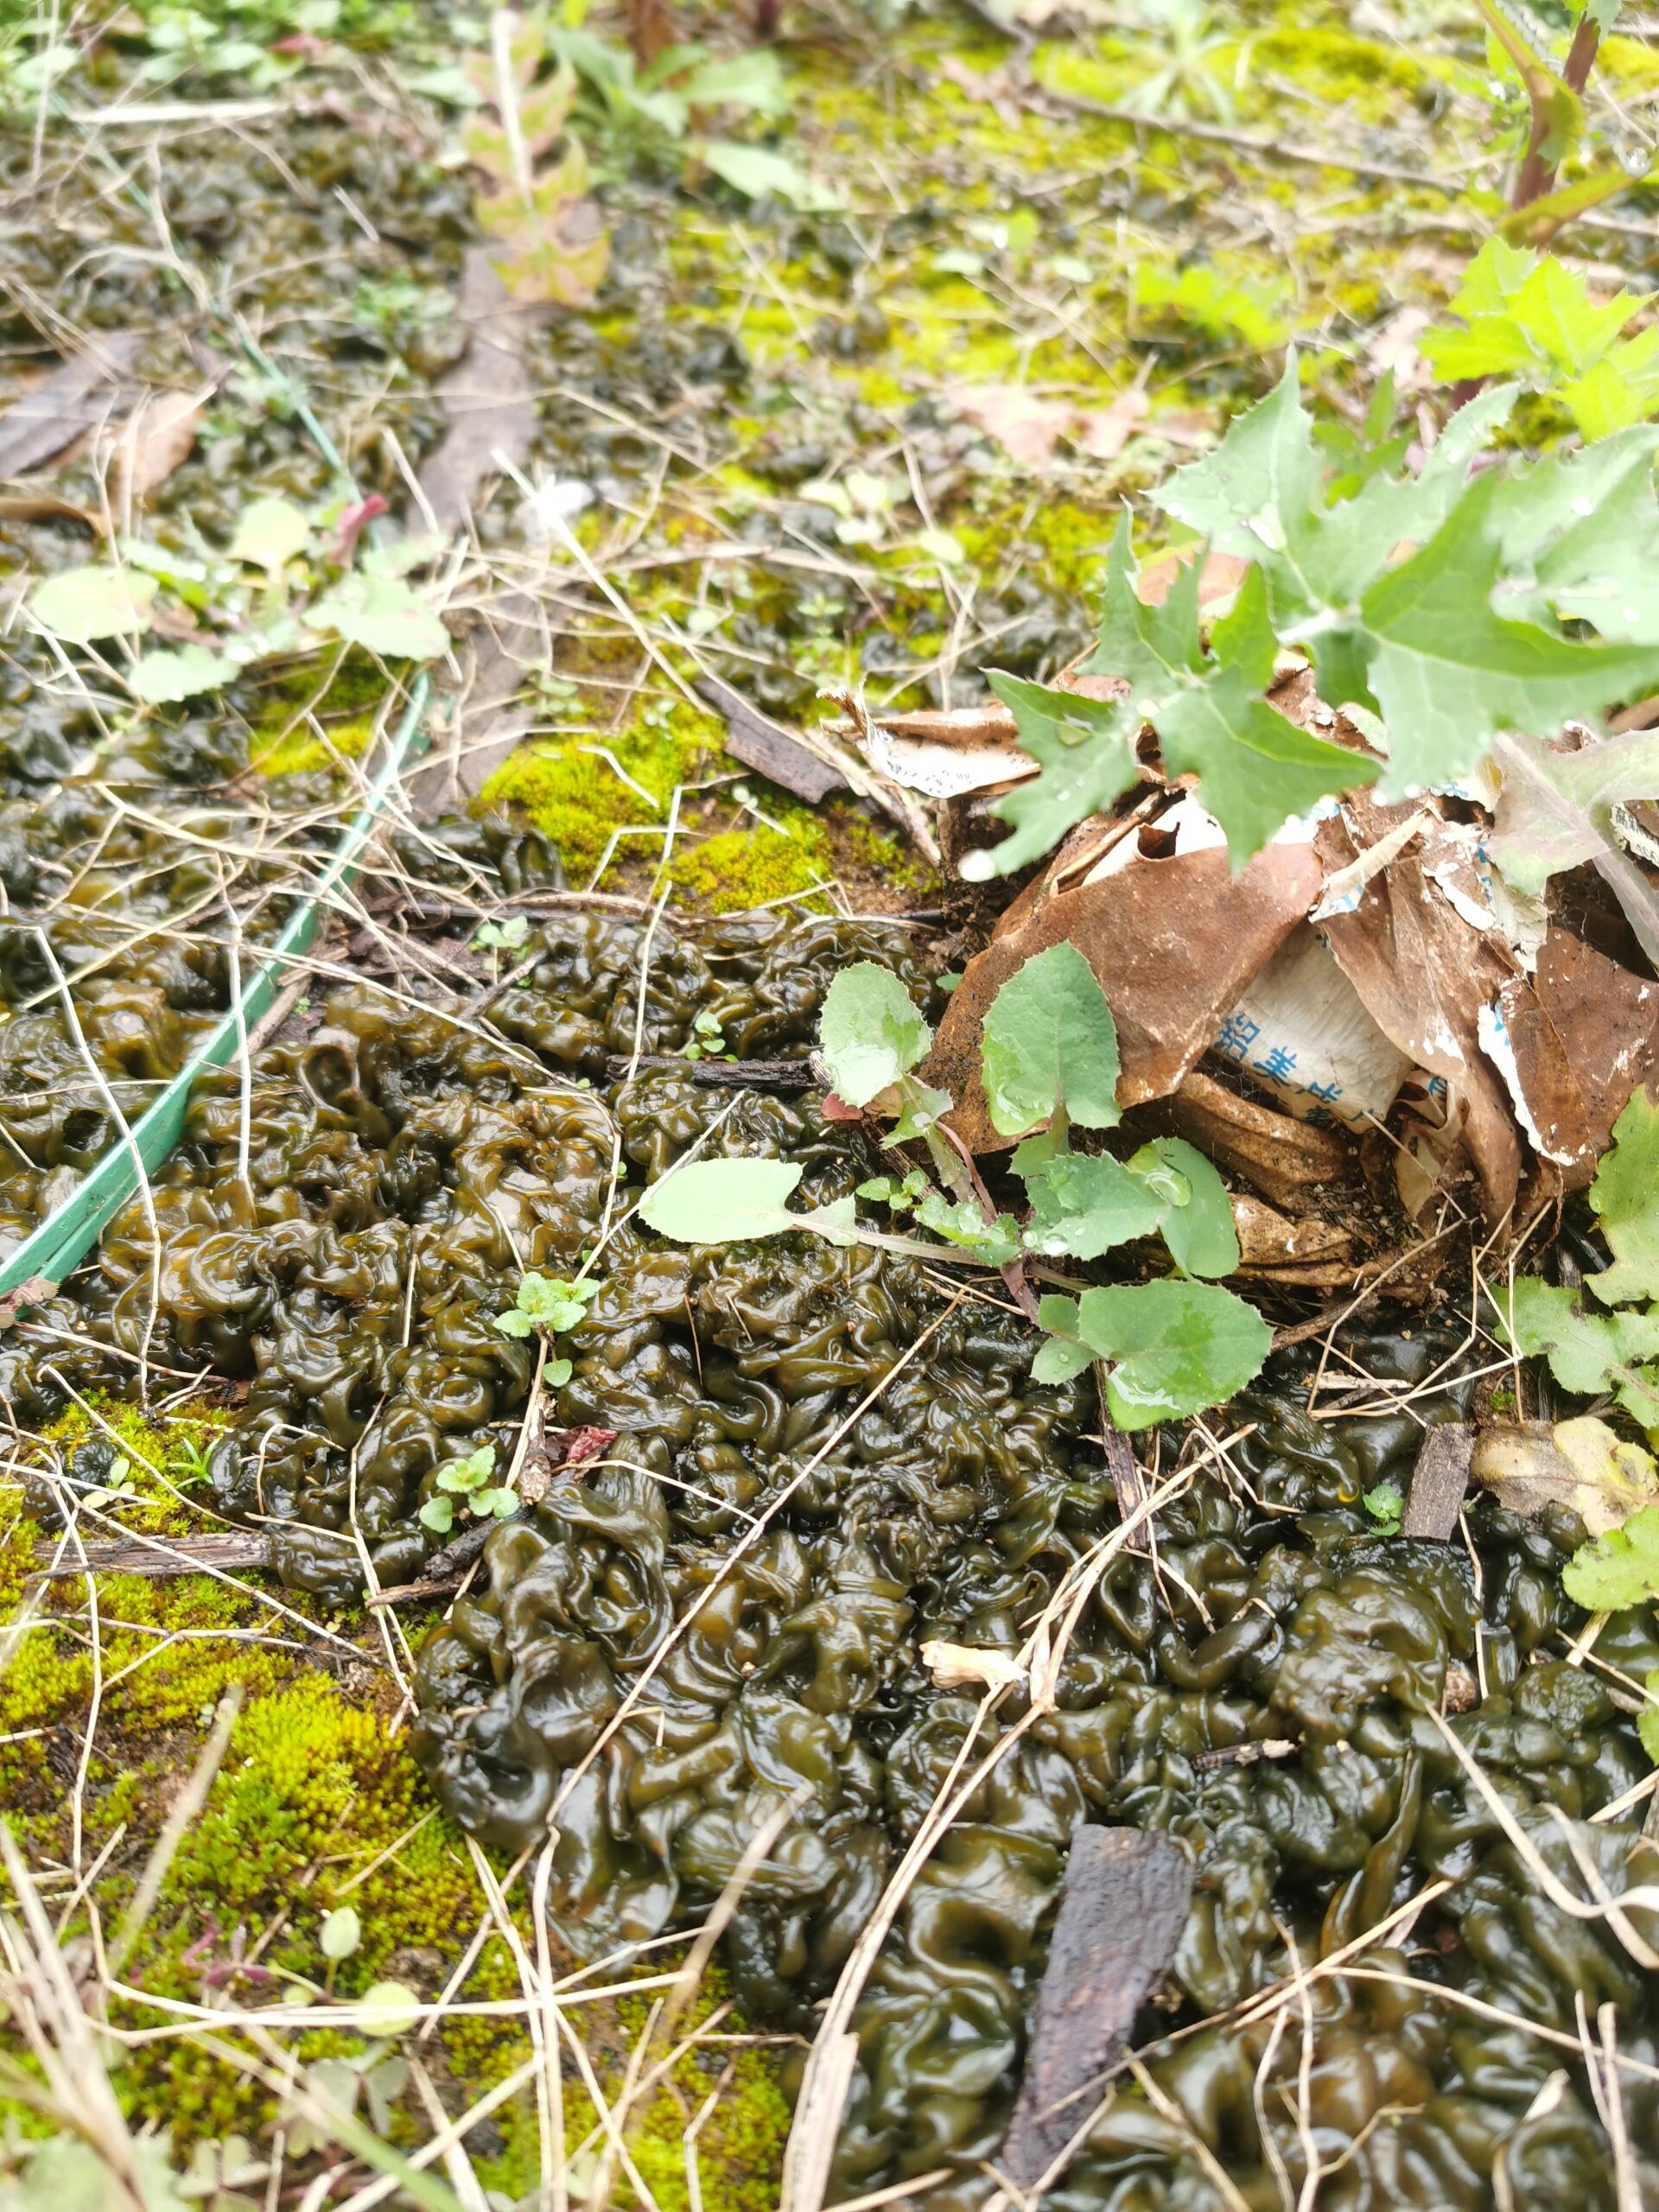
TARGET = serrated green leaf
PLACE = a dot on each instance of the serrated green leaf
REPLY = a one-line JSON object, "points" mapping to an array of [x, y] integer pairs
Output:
{"points": [[1448, 672], [513, 1322], [1086, 748], [1588, 1352], [719, 1201], [1625, 1195], [1087, 1204], [1175, 1348], [270, 532], [1578, 536], [1618, 1570], [1255, 492], [165, 674], [870, 1031], [1197, 1224], [82, 604], [1049, 1041], [382, 615], [1256, 769]]}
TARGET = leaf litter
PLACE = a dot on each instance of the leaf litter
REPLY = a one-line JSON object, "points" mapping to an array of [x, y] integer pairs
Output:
{"points": [[1528, 1108]]}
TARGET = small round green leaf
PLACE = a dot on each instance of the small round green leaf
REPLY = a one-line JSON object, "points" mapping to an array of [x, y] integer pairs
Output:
{"points": [[870, 1031], [161, 676], [269, 533], [342, 1931], [82, 604], [718, 1201], [389, 2008], [1049, 1041]]}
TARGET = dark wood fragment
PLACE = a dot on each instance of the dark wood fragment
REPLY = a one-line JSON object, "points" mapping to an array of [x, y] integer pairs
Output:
{"points": [[1439, 1481], [1250, 1754], [227, 1549], [758, 742], [1127, 1480], [1124, 1905], [741, 1075]]}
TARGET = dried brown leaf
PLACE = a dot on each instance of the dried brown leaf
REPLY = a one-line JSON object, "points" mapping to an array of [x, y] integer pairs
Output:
{"points": [[1582, 1464]]}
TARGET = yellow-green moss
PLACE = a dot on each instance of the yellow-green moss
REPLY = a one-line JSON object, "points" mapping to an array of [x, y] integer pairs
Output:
{"points": [[738, 868], [576, 798]]}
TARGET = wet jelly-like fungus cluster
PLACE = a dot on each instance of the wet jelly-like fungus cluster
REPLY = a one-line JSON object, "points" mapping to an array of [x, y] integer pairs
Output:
{"points": [[824, 1458]]}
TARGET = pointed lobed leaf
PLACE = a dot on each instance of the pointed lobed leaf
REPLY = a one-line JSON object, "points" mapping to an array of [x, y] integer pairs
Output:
{"points": [[1086, 750], [1625, 1195], [1448, 672], [1256, 769]]}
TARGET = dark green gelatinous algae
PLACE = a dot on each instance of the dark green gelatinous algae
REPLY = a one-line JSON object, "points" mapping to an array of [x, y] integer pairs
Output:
{"points": [[403, 1171]]}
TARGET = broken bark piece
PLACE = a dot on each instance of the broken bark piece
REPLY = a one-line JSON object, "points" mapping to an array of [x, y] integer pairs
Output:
{"points": [[72, 400], [1127, 1483], [1122, 1913], [745, 1075], [156, 1559], [1439, 1481], [781, 755], [1173, 943]]}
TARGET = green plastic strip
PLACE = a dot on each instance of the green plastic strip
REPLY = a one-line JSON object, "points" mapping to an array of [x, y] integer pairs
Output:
{"points": [[64, 1239]]}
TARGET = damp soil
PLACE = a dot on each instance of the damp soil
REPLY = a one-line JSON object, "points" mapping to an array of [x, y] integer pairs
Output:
{"points": [[818, 1461]]}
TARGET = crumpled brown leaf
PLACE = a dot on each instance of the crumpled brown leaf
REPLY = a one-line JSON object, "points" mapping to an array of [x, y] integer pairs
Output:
{"points": [[1173, 943], [1585, 1031], [1582, 1464], [1027, 427], [1424, 976]]}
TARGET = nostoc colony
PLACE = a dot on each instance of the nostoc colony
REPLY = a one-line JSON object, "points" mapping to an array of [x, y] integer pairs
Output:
{"points": [[825, 1457]]}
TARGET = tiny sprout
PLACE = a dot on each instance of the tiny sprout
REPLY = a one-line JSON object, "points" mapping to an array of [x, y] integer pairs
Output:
{"points": [[470, 1482], [1386, 1506], [547, 1302], [502, 937], [341, 1932]]}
